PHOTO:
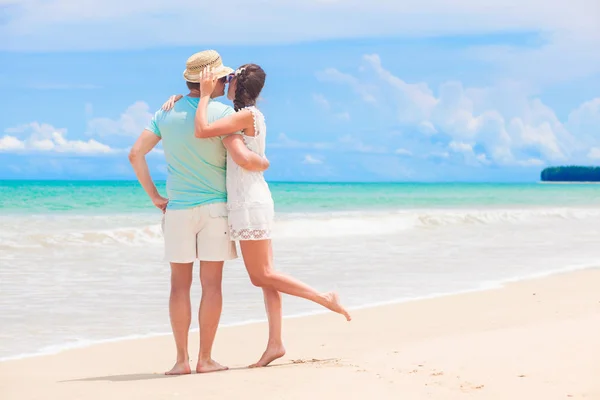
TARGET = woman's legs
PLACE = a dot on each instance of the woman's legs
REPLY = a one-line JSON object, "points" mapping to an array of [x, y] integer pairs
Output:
{"points": [[257, 256], [275, 347]]}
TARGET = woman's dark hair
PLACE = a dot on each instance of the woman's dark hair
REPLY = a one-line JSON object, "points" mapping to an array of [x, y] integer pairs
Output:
{"points": [[250, 82]]}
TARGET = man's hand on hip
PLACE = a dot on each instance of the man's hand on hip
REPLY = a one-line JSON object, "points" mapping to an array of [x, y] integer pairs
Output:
{"points": [[160, 202]]}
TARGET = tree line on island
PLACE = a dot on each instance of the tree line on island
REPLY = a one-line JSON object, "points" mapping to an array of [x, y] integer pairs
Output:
{"points": [[571, 174]]}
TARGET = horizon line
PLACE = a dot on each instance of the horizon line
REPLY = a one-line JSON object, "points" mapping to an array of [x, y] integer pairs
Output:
{"points": [[274, 181]]}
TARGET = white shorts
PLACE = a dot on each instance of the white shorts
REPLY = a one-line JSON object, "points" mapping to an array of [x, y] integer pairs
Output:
{"points": [[199, 233]]}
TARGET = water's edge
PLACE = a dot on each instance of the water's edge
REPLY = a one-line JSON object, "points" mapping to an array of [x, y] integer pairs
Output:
{"points": [[483, 287]]}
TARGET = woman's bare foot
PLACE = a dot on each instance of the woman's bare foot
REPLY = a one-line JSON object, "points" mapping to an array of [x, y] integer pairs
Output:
{"points": [[209, 366], [333, 303], [272, 353], [180, 368]]}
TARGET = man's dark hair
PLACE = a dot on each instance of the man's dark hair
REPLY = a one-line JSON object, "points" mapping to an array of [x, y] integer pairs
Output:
{"points": [[193, 85]]}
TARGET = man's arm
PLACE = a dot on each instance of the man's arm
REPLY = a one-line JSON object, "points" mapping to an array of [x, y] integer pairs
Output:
{"points": [[137, 157], [243, 156]]}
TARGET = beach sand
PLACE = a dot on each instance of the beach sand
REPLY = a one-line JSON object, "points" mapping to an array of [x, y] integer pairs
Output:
{"points": [[536, 339]]}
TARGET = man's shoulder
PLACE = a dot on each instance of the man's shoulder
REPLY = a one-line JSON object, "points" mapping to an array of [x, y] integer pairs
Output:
{"points": [[219, 109], [218, 105], [160, 114], [181, 107]]}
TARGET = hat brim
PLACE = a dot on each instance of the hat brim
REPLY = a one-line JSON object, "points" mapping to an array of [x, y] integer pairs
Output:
{"points": [[219, 73]]}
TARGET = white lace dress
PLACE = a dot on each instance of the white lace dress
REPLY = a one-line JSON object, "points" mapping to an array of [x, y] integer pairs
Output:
{"points": [[249, 201]]}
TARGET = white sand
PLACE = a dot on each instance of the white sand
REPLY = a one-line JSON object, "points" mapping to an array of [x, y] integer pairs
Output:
{"points": [[534, 340]]}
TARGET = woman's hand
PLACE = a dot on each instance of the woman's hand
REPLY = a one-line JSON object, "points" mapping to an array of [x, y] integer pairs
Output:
{"points": [[169, 104], [207, 82]]}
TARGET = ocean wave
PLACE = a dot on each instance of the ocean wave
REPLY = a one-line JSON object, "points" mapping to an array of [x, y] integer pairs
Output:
{"points": [[300, 226], [361, 224], [129, 236], [124, 236]]}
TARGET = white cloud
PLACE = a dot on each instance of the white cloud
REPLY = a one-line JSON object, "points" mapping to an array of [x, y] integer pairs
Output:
{"points": [[353, 143], [566, 54], [64, 24], [131, 122], [459, 147], [89, 110], [284, 142], [335, 76], [62, 86], [46, 138], [586, 116], [507, 126], [439, 154], [532, 162], [309, 159], [414, 101], [403, 152], [427, 128], [594, 153], [344, 144], [584, 123], [482, 158], [10, 143], [321, 101], [469, 156], [344, 116]]}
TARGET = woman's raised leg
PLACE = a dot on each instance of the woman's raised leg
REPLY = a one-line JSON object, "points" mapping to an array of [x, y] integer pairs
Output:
{"points": [[258, 261]]}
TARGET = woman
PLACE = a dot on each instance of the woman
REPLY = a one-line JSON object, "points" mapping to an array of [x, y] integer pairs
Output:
{"points": [[249, 200]]}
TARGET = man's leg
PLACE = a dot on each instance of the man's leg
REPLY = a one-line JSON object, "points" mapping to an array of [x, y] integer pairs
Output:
{"points": [[180, 311], [211, 276]]}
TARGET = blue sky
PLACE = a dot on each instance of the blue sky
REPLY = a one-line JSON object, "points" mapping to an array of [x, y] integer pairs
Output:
{"points": [[413, 92]]}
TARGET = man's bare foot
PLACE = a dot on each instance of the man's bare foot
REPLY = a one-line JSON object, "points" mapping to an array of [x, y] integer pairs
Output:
{"points": [[333, 303], [180, 368], [272, 353], [209, 366]]}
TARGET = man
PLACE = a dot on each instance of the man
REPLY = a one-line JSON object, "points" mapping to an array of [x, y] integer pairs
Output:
{"points": [[195, 214]]}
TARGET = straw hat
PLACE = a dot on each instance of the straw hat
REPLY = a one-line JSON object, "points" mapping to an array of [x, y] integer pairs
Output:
{"points": [[207, 58]]}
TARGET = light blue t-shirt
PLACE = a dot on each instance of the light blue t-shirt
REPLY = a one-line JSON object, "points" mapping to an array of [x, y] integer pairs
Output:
{"points": [[195, 167]]}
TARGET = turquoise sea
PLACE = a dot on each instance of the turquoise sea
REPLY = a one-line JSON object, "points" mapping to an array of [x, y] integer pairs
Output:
{"points": [[127, 196], [81, 262]]}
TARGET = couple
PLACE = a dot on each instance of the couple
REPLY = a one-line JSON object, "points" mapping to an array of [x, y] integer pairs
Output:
{"points": [[217, 195]]}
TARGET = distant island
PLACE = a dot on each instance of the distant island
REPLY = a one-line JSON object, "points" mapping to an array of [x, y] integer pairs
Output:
{"points": [[571, 174]]}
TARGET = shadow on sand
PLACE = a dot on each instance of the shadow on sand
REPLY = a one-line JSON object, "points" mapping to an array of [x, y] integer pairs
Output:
{"points": [[144, 377]]}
